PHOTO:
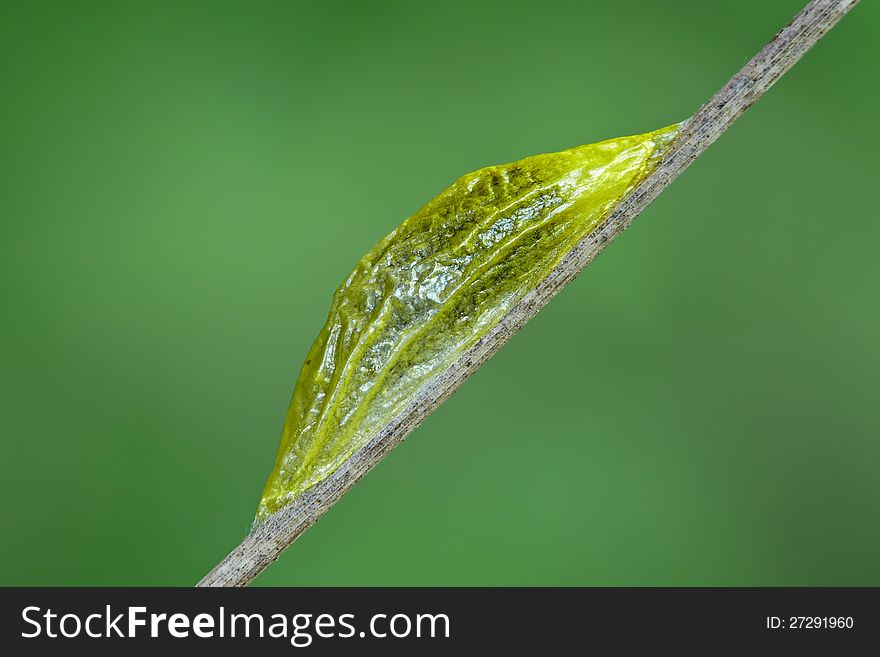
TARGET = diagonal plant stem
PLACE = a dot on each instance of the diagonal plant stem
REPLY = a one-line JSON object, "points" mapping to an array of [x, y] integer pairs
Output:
{"points": [[268, 540]]}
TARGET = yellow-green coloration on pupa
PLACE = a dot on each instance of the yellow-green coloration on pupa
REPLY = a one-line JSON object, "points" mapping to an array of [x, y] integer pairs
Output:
{"points": [[436, 285]]}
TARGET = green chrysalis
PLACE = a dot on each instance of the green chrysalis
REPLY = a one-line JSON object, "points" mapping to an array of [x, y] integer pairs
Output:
{"points": [[436, 285]]}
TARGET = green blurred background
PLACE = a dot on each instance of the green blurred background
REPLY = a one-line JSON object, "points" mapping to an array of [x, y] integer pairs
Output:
{"points": [[184, 184]]}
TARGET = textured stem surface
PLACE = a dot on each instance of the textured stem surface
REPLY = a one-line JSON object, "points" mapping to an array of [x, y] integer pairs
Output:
{"points": [[268, 540]]}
